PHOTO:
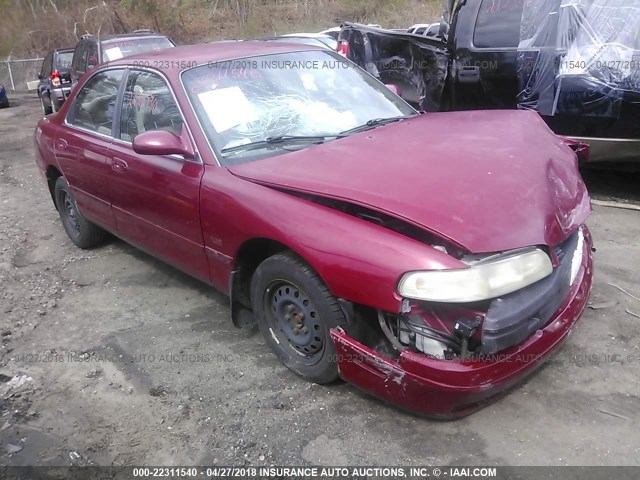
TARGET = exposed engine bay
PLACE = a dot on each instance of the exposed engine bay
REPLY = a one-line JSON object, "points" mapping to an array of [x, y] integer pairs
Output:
{"points": [[484, 328]]}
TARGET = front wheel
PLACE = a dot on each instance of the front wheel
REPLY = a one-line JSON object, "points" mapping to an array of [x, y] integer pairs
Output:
{"points": [[295, 310], [80, 230]]}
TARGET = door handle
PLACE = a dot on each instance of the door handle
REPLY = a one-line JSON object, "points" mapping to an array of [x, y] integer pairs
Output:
{"points": [[469, 74], [119, 165], [61, 143]]}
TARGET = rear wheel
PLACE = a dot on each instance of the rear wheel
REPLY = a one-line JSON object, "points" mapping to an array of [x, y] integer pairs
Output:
{"points": [[45, 109], [80, 230], [295, 311]]}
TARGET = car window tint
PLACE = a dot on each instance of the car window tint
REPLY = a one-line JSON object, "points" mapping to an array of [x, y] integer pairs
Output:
{"points": [[63, 61], [148, 105], [94, 106], [81, 61], [498, 24], [420, 31], [46, 66], [92, 56]]}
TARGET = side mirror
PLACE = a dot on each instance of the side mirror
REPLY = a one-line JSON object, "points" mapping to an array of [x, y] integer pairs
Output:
{"points": [[394, 88], [161, 142], [40, 76]]}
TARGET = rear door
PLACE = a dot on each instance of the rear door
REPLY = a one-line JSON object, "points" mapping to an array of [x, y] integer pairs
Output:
{"points": [[156, 198], [43, 86], [485, 46], [82, 144]]}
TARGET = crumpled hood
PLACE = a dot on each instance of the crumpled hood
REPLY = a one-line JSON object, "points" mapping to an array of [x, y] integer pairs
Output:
{"points": [[487, 180]]}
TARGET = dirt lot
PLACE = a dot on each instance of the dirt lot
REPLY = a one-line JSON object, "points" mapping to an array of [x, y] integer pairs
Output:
{"points": [[110, 357]]}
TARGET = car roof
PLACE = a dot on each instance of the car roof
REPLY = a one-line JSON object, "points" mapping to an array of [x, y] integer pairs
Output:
{"points": [[307, 35], [125, 36], [204, 53]]}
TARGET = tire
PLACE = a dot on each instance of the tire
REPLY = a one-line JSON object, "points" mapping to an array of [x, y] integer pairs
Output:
{"points": [[45, 109], [287, 297], [81, 231]]}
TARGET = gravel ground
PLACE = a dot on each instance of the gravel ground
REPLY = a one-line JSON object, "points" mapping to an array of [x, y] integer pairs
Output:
{"points": [[110, 357]]}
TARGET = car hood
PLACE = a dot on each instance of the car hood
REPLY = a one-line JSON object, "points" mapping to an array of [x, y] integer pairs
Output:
{"points": [[487, 181]]}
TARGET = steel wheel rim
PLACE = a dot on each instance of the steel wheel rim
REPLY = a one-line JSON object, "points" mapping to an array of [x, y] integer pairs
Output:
{"points": [[294, 321], [71, 212]]}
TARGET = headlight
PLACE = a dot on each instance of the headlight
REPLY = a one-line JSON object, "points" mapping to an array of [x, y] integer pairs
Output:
{"points": [[487, 279]]}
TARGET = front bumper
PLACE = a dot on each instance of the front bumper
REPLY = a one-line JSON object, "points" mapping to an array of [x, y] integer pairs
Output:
{"points": [[452, 388]]}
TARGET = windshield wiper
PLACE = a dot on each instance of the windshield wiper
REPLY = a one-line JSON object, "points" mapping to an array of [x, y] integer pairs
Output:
{"points": [[373, 123], [279, 140]]}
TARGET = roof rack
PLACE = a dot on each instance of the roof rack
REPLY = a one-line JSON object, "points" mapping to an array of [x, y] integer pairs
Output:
{"points": [[143, 30]]}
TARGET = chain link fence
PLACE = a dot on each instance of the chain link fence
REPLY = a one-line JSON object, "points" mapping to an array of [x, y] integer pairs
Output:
{"points": [[15, 73]]}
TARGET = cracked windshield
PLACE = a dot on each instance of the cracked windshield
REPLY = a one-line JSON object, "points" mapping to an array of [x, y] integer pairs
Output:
{"points": [[256, 107]]}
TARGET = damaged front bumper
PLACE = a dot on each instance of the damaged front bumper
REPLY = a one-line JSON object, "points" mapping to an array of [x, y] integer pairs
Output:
{"points": [[454, 388]]}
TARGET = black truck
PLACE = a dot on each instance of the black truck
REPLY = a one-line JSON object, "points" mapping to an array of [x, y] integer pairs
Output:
{"points": [[575, 62]]}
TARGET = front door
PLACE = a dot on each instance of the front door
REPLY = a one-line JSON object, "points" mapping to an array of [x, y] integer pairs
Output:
{"points": [[155, 199]]}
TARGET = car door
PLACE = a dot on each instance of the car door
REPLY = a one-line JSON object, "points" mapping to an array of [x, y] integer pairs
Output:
{"points": [[82, 144], [155, 198], [485, 60], [45, 72]]}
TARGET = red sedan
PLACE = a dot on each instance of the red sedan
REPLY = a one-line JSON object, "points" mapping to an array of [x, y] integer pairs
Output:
{"points": [[433, 260]]}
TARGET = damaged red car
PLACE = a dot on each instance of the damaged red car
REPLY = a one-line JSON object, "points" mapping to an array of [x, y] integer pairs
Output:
{"points": [[433, 260]]}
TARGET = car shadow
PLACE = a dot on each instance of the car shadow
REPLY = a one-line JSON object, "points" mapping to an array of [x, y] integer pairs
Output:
{"points": [[165, 271], [609, 184]]}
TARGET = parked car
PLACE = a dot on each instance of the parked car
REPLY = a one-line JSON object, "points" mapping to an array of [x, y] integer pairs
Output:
{"points": [[4, 99], [313, 39], [576, 63], [92, 51], [425, 29], [433, 260], [333, 32], [55, 79]]}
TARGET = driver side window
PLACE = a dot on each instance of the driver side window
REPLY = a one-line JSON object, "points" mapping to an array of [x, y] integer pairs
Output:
{"points": [[148, 105], [94, 107]]}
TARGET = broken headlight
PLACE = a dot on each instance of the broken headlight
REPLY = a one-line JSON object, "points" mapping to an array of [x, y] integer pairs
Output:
{"points": [[487, 278]]}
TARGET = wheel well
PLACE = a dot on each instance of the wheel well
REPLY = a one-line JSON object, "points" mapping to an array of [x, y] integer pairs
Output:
{"points": [[251, 254], [52, 176]]}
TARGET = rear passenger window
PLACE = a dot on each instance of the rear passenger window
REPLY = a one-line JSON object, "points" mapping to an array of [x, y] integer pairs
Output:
{"points": [[148, 105], [94, 107], [498, 24]]}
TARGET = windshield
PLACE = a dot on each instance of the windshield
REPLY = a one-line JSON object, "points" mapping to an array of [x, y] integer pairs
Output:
{"points": [[303, 94], [64, 61], [114, 50]]}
